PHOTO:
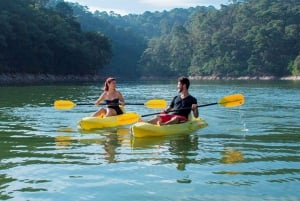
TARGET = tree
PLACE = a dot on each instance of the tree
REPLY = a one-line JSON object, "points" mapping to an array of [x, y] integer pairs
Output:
{"points": [[295, 67], [35, 39]]}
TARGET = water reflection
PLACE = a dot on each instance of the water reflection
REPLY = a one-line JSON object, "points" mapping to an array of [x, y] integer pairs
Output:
{"points": [[147, 143], [109, 141], [230, 156], [181, 148]]}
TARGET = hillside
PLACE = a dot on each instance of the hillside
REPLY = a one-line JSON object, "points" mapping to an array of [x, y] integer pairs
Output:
{"points": [[250, 38]]}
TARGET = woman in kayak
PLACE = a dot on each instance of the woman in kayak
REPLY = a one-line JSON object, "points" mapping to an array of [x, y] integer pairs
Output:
{"points": [[112, 98], [182, 105]]}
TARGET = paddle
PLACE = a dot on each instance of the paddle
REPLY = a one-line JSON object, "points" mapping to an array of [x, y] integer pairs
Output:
{"points": [[227, 101], [67, 104]]}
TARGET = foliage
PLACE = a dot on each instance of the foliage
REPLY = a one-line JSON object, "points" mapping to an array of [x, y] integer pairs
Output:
{"points": [[129, 34], [295, 67], [244, 38], [127, 46], [35, 39], [249, 38]]}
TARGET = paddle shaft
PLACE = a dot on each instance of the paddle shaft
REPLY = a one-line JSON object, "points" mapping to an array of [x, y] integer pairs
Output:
{"points": [[110, 104], [154, 104], [146, 115]]}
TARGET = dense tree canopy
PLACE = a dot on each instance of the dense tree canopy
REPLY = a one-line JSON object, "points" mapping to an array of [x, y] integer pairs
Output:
{"points": [[34, 39], [245, 38], [252, 38]]}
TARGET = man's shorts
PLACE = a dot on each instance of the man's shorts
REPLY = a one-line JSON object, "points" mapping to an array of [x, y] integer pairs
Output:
{"points": [[167, 117]]}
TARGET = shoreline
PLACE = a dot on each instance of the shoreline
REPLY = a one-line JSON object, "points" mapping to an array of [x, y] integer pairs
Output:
{"points": [[244, 78], [26, 78], [249, 78]]}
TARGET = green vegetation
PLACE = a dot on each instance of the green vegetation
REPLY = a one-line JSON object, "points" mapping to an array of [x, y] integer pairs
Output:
{"points": [[245, 38], [252, 38], [37, 40]]}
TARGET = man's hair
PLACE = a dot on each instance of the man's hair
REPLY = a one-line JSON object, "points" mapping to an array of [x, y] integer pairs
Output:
{"points": [[184, 80]]}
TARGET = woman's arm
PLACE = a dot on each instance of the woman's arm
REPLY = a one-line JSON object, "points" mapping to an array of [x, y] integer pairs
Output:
{"points": [[100, 99]]}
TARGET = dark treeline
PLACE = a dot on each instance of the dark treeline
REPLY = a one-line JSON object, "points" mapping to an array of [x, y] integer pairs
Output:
{"points": [[245, 38], [39, 40]]}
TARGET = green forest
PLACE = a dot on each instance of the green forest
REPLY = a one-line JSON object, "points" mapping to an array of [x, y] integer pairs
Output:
{"points": [[35, 39], [244, 38]]}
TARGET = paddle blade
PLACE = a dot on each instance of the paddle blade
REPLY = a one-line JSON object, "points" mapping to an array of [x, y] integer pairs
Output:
{"points": [[64, 104], [127, 118], [232, 100], [156, 104]]}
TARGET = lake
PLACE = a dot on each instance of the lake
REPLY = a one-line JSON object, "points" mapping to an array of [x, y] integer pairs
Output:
{"points": [[249, 152]]}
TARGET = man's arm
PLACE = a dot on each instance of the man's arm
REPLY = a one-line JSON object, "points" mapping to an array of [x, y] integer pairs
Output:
{"points": [[195, 110]]}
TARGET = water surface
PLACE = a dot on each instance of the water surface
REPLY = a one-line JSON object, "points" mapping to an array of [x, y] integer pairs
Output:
{"points": [[245, 153]]}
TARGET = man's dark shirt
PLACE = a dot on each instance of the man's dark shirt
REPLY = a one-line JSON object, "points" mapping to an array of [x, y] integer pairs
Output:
{"points": [[178, 104]]}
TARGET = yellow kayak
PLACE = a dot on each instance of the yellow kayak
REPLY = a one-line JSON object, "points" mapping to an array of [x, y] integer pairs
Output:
{"points": [[90, 123], [143, 129]]}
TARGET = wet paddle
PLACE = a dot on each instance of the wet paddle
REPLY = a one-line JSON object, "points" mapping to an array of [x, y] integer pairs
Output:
{"points": [[67, 104], [233, 100]]}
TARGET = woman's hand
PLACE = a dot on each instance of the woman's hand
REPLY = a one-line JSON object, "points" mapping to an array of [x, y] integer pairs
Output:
{"points": [[96, 103]]}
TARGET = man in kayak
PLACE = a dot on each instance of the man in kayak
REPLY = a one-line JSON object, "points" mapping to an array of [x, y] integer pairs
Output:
{"points": [[181, 106], [112, 98]]}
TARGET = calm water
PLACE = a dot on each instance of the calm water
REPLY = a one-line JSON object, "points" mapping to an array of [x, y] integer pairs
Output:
{"points": [[245, 153]]}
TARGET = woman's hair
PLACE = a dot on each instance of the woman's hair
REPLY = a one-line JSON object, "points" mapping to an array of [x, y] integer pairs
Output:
{"points": [[184, 80], [108, 81]]}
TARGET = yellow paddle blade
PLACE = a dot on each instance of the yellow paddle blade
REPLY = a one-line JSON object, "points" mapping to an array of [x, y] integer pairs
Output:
{"points": [[156, 104], [127, 118], [64, 104], [232, 100]]}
